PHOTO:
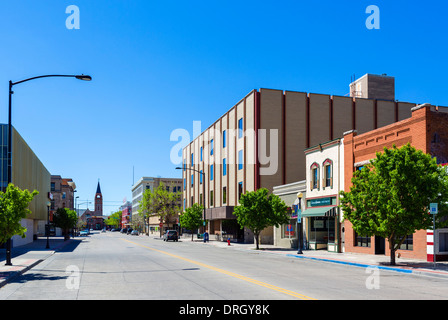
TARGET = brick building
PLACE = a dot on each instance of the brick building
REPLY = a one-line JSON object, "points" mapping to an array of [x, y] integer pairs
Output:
{"points": [[426, 130]]}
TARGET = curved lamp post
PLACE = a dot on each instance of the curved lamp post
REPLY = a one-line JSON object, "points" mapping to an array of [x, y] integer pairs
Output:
{"points": [[11, 84], [203, 189]]}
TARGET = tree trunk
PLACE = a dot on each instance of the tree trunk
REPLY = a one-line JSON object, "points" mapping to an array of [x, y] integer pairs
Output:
{"points": [[257, 236], [392, 251]]}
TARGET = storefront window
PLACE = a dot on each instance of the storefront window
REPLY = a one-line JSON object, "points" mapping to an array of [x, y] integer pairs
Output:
{"points": [[408, 243], [361, 241]]}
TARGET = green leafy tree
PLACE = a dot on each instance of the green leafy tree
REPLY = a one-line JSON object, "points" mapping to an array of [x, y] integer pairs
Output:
{"points": [[259, 210], [390, 197], [160, 202], [14, 204], [65, 219], [191, 219], [114, 219]]}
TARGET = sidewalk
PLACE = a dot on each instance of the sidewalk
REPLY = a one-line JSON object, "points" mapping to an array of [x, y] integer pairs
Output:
{"points": [[27, 256], [382, 262]]}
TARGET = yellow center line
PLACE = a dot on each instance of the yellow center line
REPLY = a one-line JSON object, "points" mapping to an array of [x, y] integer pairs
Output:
{"points": [[235, 275]]}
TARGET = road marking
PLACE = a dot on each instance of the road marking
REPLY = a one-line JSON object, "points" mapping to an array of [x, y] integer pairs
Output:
{"points": [[232, 274]]}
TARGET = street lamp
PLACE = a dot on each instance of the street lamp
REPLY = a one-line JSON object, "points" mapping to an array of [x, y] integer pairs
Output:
{"points": [[299, 220], [203, 188], [9, 173], [48, 224]]}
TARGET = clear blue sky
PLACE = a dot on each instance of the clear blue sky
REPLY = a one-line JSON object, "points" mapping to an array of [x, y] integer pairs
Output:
{"points": [[160, 65]]}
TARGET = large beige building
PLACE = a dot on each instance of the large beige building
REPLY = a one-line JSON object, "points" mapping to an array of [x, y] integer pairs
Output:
{"points": [[260, 143], [28, 172]]}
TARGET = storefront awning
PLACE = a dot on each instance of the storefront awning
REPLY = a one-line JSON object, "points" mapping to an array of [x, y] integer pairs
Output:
{"points": [[327, 211]]}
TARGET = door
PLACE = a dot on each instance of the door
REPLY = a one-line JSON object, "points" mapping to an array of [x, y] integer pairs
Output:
{"points": [[380, 245]]}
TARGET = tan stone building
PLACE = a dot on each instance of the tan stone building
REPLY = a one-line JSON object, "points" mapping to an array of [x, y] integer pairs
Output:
{"points": [[260, 143], [28, 172]]}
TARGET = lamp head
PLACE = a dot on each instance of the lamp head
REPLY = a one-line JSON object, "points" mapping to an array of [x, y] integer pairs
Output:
{"points": [[83, 77]]}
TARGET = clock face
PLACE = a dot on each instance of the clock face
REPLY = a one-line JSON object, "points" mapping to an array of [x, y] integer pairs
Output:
{"points": [[98, 196]]}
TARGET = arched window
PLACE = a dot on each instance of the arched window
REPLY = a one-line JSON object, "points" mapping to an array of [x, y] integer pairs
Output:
{"points": [[314, 176], [327, 173]]}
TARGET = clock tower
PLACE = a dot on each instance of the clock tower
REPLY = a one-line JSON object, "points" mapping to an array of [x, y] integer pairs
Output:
{"points": [[98, 201]]}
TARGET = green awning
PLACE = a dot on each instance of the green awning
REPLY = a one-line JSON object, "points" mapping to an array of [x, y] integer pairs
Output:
{"points": [[327, 211]]}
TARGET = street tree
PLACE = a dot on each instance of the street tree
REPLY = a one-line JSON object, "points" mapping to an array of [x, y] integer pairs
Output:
{"points": [[161, 203], [258, 210], [390, 196], [191, 219], [114, 219], [65, 219], [14, 204]]}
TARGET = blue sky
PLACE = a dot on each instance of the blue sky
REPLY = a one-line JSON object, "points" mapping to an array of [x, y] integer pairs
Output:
{"points": [[160, 65]]}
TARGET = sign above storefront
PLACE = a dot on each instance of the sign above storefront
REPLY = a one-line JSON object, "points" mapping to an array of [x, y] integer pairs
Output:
{"points": [[320, 202]]}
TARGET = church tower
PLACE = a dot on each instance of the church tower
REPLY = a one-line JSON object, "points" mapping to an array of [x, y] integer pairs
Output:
{"points": [[98, 201]]}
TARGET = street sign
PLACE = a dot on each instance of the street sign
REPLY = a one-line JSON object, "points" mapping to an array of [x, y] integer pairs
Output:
{"points": [[433, 208]]}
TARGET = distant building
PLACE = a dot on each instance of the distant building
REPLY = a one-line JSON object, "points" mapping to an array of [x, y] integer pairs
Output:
{"points": [[63, 190], [126, 214], [95, 219], [144, 183]]}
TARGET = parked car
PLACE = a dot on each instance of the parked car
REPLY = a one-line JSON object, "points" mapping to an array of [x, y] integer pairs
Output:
{"points": [[129, 231], [124, 230], [171, 235], [134, 232], [83, 232]]}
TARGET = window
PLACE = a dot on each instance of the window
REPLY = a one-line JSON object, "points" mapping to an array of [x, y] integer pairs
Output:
{"points": [[211, 147], [192, 200], [200, 199], [314, 183], [240, 128], [201, 153], [328, 174], [408, 243], [200, 177], [224, 195], [224, 138], [211, 172], [224, 166], [361, 241], [185, 164], [192, 179], [185, 183], [212, 203], [192, 159], [53, 188], [64, 195], [240, 159], [240, 190]]}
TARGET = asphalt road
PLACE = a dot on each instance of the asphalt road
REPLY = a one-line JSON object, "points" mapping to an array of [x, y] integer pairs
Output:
{"points": [[113, 266]]}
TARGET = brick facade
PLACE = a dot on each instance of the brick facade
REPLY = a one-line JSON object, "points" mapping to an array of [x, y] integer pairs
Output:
{"points": [[426, 130]]}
